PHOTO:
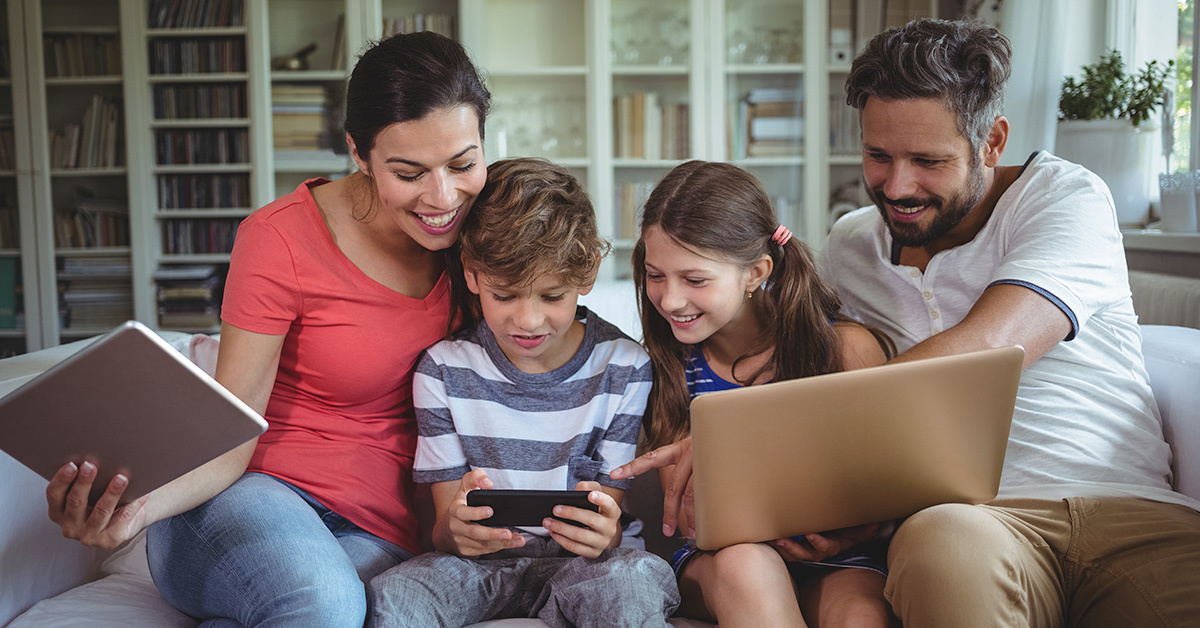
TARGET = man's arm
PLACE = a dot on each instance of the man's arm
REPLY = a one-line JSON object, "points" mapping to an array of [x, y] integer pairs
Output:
{"points": [[1005, 314]]}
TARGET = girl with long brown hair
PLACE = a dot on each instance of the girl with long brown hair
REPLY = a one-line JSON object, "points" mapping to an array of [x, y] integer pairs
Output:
{"points": [[728, 299]]}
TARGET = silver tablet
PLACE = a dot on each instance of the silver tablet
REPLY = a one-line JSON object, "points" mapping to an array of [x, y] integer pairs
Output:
{"points": [[129, 403]]}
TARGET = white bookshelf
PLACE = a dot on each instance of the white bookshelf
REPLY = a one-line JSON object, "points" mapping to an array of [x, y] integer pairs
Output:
{"points": [[554, 68], [688, 56]]}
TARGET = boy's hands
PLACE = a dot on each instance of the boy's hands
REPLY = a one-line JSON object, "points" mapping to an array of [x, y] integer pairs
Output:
{"points": [[601, 531], [456, 531]]}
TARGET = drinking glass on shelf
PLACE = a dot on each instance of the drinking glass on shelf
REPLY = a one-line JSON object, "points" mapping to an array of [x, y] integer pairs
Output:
{"points": [[523, 134], [498, 125], [548, 137], [780, 49], [760, 47], [575, 136], [738, 46]]}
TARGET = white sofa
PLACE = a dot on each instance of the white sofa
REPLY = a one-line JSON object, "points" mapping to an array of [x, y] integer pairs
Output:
{"points": [[69, 585]]}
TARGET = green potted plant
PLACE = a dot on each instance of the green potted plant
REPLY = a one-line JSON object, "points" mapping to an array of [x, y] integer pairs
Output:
{"points": [[1105, 124]]}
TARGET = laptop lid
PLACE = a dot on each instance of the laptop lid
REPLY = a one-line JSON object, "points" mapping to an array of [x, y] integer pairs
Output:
{"points": [[844, 449], [129, 403]]}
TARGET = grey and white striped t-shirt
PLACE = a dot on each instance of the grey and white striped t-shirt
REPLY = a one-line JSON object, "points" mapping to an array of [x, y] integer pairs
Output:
{"points": [[475, 410]]}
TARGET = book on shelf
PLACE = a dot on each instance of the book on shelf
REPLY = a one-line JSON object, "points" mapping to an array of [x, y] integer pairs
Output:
{"points": [[203, 191], [844, 132], [199, 101], [771, 124], [10, 234], [199, 236], [644, 127], [767, 128], [299, 116], [773, 148], [202, 146], [185, 272], [195, 13], [631, 197], [9, 278], [82, 55], [94, 267], [92, 222], [94, 292], [775, 95], [8, 156], [198, 56], [94, 142], [189, 296]]}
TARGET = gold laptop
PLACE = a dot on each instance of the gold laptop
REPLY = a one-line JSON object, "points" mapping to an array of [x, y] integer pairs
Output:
{"points": [[831, 451]]}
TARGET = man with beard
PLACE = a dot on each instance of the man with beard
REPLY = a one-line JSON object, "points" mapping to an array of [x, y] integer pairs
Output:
{"points": [[961, 254]]}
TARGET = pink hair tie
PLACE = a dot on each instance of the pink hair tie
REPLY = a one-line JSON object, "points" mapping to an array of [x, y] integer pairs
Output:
{"points": [[782, 235]]}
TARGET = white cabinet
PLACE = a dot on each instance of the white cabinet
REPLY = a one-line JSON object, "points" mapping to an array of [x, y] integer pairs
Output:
{"points": [[76, 251], [621, 91], [194, 171], [20, 319], [215, 116]]}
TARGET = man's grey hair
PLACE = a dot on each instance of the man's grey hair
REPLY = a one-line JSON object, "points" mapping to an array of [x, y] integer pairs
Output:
{"points": [[965, 65]]}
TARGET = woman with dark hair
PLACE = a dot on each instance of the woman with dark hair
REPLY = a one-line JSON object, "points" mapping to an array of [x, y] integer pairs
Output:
{"points": [[333, 291]]}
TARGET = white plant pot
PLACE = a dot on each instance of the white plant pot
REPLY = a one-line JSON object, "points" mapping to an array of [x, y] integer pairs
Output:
{"points": [[1119, 153]]}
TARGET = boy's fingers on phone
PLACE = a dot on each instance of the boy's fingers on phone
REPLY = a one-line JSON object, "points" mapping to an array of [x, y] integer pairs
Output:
{"points": [[476, 478], [579, 541]]}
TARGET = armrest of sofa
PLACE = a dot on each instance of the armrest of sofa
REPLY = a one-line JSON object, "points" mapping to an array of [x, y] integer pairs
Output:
{"points": [[1173, 362], [36, 562]]}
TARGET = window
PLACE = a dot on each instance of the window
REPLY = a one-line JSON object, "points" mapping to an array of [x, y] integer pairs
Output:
{"points": [[1182, 159]]}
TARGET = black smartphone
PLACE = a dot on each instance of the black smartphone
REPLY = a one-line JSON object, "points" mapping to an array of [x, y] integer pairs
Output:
{"points": [[526, 508]]}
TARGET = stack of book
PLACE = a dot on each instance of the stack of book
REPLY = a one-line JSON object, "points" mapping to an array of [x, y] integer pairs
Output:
{"points": [[92, 222], [195, 236], [774, 125], [93, 143], [202, 146], [199, 101], [191, 191], [189, 296], [94, 292], [82, 55], [646, 128], [195, 13], [298, 117], [197, 56]]}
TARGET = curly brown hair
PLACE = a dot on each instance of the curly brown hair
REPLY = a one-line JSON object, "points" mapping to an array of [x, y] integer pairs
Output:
{"points": [[532, 218]]}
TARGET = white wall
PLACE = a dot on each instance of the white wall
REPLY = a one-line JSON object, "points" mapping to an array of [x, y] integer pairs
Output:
{"points": [[1053, 39]]}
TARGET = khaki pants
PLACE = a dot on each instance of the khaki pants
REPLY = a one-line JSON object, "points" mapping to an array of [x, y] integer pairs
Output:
{"points": [[1046, 563]]}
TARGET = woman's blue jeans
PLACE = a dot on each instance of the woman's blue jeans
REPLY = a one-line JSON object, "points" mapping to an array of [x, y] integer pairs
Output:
{"points": [[264, 553]]}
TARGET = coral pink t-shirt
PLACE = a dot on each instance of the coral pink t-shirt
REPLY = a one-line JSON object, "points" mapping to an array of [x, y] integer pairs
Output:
{"points": [[341, 422]]}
